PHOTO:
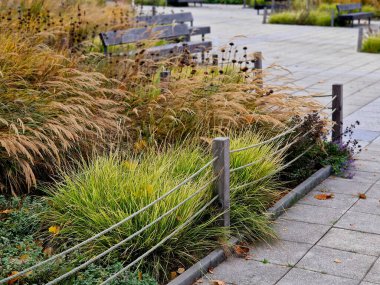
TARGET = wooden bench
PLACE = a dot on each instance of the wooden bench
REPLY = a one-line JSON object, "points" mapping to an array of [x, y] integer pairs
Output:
{"points": [[351, 12], [173, 32], [184, 2], [177, 18], [276, 5]]}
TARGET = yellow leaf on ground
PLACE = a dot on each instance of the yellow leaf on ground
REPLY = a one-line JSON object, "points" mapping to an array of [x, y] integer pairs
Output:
{"points": [[24, 257], [54, 230], [181, 270], [338, 260], [140, 276]]}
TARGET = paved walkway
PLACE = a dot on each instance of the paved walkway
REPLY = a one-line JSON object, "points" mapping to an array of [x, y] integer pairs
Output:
{"points": [[331, 242], [335, 241]]}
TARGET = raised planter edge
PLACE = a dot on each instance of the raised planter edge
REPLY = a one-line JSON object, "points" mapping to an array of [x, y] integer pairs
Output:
{"points": [[218, 256]]}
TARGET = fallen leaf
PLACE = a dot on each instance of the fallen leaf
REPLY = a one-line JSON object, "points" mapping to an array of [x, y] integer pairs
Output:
{"points": [[14, 280], [362, 196], [248, 257], [6, 211], [324, 196], [241, 250], [48, 251], [54, 230], [24, 257], [217, 282], [140, 276], [181, 270], [173, 275], [338, 261], [211, 270]]}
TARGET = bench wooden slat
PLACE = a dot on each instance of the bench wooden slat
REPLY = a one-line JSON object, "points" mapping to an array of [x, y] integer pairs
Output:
{"points": [[166, 19], [199, 30], [349, 7], [178, 48], [119, 37]]}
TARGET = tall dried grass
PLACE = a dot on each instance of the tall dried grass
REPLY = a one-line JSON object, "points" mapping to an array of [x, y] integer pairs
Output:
{"points": [[48, 107]]}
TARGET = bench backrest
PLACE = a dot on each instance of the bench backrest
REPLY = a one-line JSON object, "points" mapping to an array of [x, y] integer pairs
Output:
{"points": [[120, 37], [349, 7], [179, 18]]}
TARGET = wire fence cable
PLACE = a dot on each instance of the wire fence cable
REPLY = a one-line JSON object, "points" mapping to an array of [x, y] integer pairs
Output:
{"points": [[160, 243], [63, 253]]}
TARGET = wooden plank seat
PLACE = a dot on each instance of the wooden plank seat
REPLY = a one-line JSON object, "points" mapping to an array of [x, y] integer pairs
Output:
{"points": [[177, 32], [180, 18], [351, 12], [191, 1]]}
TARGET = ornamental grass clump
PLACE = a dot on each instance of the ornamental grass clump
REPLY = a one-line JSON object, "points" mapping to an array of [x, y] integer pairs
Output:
{"points": [[49, 107], [108, 189]]}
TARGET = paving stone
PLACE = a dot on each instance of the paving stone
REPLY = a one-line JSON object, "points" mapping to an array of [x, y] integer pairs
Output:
{"points": [[362, 222], [369, 205], [352, 241], [298, 276], [374, 274], [369, 166], [374, 192], [337, 262], [247, 272], [300, 231], [344, 186], [313, 214], [368, 283], [368, 155], [339, 201], [281, 252]]}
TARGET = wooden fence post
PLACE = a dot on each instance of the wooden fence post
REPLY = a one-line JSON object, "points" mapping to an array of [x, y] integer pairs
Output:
{"points": [[215, 60], [337, 115], [258, 56], [360, 39], [164, 75], [221, 150], [265, 15]]}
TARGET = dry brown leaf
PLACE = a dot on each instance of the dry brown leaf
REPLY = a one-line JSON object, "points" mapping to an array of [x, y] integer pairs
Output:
{"points": [[140, 276], [241, 250], [173, 275], [14, 280], [324, 196], [6, 211], [24, 257], [48, 251], [217, 282], [362, 196], [211, 270], [338, 260], [248, 257], [181, 270]]}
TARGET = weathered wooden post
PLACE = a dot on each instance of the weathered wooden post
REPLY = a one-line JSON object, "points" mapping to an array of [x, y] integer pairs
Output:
{"points": [[332, 17], [259, 68], [165, 75], [337, 115], [360, 39], [221, 151], [265, 15], [215, 59]]}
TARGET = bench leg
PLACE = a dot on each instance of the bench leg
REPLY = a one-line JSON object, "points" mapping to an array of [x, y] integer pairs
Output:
{"points": [[359, 21], [369, 21]]}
